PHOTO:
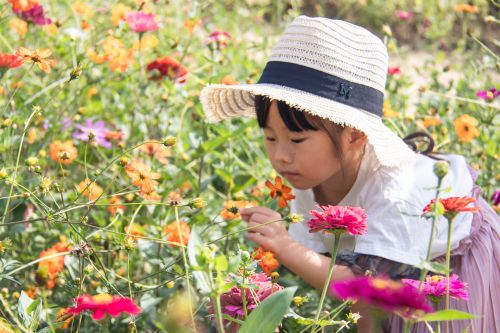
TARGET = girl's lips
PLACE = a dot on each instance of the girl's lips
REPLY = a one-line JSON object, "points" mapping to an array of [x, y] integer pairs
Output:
{"points": [[290, 174]]}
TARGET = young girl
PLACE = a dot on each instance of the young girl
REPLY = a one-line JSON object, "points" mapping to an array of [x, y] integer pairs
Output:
{"points": [[319, 102]]}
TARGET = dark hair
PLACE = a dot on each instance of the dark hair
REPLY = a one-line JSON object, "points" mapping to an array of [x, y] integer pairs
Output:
{"points": [[297, 120]]}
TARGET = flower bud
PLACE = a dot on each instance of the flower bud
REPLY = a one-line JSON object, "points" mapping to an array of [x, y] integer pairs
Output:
{"points": [[6, 123], [42, 153], [298, 300], [75, 73], [123, 161], [441, 169], [245, 255], [275, 276], [197, 203], [170, 141], [31, 161], [3, 174], [170, 284]]}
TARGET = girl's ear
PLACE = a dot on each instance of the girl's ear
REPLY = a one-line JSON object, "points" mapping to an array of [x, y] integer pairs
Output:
{"points": [[356, 137]]}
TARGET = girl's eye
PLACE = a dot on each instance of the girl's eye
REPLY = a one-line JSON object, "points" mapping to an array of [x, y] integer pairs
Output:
{"points": [[270, 139], [299, 140]]}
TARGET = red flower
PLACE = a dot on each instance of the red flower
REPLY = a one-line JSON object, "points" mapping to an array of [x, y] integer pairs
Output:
{"points": [[10, 60], [170, 68], [393, 70], [334, 218], [280, 191], [101, 304], [384, 293], [452, 206]]}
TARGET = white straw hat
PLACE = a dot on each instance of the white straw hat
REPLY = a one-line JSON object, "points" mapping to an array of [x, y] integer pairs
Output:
{"points": [[329, 68]]}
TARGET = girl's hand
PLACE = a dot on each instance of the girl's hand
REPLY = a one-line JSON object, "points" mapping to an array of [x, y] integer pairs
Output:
{"points": [[272, 236]]}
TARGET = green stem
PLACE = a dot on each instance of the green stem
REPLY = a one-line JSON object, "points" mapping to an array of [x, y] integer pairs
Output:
{"points": [[329, 276], [218, 313], [243, 294], [448, 255]]}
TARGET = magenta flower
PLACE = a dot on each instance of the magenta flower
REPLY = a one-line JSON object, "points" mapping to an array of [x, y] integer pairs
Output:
{"points": [[141, 22], [393, 70], [404, 15], [495, 198], [389, 295], [219, 38], [95, 130], [102, 304], [35, 15], [435, 286], [488, 94], [335, 218]]}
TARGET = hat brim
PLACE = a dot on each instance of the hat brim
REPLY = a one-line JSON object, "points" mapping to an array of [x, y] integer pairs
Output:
{"points": [[228, 101]]}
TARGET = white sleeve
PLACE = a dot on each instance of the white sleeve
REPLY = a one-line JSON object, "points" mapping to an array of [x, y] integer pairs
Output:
{"points": [[302, 204]]}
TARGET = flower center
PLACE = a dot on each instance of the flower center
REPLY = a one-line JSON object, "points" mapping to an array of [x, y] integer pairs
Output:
{"points": [[102, 298]]}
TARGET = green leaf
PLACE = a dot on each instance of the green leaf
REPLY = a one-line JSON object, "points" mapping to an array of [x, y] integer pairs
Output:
{"points": [[445, 315], [433, 266], [267, 316], [220, 263], [201, 277]]}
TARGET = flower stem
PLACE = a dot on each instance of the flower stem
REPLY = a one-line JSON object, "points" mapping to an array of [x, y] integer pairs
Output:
{"points": [[448, 255], [329, 276]]}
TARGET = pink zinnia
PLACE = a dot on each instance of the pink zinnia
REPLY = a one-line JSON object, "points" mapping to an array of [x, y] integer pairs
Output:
{"points": [[389, 295], [102, 304], [334, 218], [435, 286], [220, 38], [393, 70], [404, 15], [36, 15], [141, 22], [488, 94]]}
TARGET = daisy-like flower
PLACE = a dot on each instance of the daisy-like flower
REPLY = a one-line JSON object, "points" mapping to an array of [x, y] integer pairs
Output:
{"points": [[102, 304], [168, 67], [21, 5], [157, 150], [218, 38], [49, 269], [465, 128], [339, 218], [452, 206], [142, 176], [389, 295], [114, 206], [19, 26], [267, 261], [10, 60], [404, 15], [90, 189], [173, 234], [280, 191], [36, 14], [489, 94], [62, 152], [95, 131], [135, 230], [141, 22], [38, 57], [232, 208], [435, 287]]}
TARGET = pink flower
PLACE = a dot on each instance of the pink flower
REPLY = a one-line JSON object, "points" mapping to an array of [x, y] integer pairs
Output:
{"points": [[141, 22], [219, 38], [404, 15], [36, 15], [334, 218], [435, 286], [393, 70], [488, 94], [391, 296], [101, 304]]}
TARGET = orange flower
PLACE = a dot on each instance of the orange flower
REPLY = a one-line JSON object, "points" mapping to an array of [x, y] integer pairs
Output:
{"points": [[94, 57], [431, 121], [83, 9], [258, 191], [232, 207], [153, 196], [121, 60], [90, 189], [173, 235], [23, 5], [142, 176], [191, 25], [19, 26], [135, 230], [62, 152], [114, 207], [51, 267], [37, 57], [465, 8], [64, 316], [158, 150], [267, 262], [280, 191], [228, 80], [453, 205], [465, 127]]}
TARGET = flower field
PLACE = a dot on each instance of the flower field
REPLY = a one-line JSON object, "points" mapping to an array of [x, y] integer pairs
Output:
{"points": [[120, 204]]}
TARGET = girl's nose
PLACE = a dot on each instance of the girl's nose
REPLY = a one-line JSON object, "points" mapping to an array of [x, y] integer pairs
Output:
{"points": [[283, 154]]}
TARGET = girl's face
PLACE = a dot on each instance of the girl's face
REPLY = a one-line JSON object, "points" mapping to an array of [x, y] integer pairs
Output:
{"points": [[306, 159]]}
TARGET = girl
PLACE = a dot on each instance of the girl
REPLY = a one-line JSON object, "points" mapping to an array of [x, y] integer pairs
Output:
{"points": [[319, 103]]}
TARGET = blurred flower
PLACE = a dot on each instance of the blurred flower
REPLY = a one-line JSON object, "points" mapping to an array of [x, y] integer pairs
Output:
{"points": [[495, 198], [267, 261], [113, 208], [114, 136], [173, 235], [404, 15], [219, 38], [142, 176], [393, 70], [94, 131], [10, 61], [64, 317], [90, 189], [57, 147], [35, 14], [389, 295], [92, 92], [37, 57], [431, 121], [465, 8], [135, 230], [83, 9], [147, 42], [168, 67], [121, 60], [48, 269], [228, 80], [258, 190], [157, 150], [141, 22], [152, 196], [452, 206], [232, 208], [465, 128], [386, 29], [338, 218], [19, 26], [23, 4], [488, 94], [388, 110], [280, 191], [435, 286], [191, 25], [102, 304], [119, 13]]}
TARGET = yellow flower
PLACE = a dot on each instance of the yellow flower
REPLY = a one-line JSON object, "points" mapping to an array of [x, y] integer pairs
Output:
{"points": [[38, 57], [119, 13], [147, 42], [51, 29], [388, 111], [431, 121], [465, 127], [19, 26], [90, 189], [92, 92], [31, 137], [83, 9]]}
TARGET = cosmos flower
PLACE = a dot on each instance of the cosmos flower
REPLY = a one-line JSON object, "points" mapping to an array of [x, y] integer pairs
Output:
{"points": [[280, 191]]}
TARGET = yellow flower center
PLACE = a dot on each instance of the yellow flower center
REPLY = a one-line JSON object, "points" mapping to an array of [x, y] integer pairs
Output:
{"points": [[385, 284], [489, 94], [436, 278], [102, 298]]}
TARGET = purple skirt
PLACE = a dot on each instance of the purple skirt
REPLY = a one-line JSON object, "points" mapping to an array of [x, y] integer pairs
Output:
{"points": [[477, 262]]}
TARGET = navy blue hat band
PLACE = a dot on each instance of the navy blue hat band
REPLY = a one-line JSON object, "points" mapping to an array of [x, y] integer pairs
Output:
{"points": [[324, 85]]}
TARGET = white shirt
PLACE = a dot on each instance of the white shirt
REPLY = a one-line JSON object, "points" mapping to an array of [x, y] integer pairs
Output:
{"points": [[393, 199]]}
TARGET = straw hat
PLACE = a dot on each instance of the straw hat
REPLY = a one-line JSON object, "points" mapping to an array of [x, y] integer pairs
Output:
{"points": [[329, 68]]}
